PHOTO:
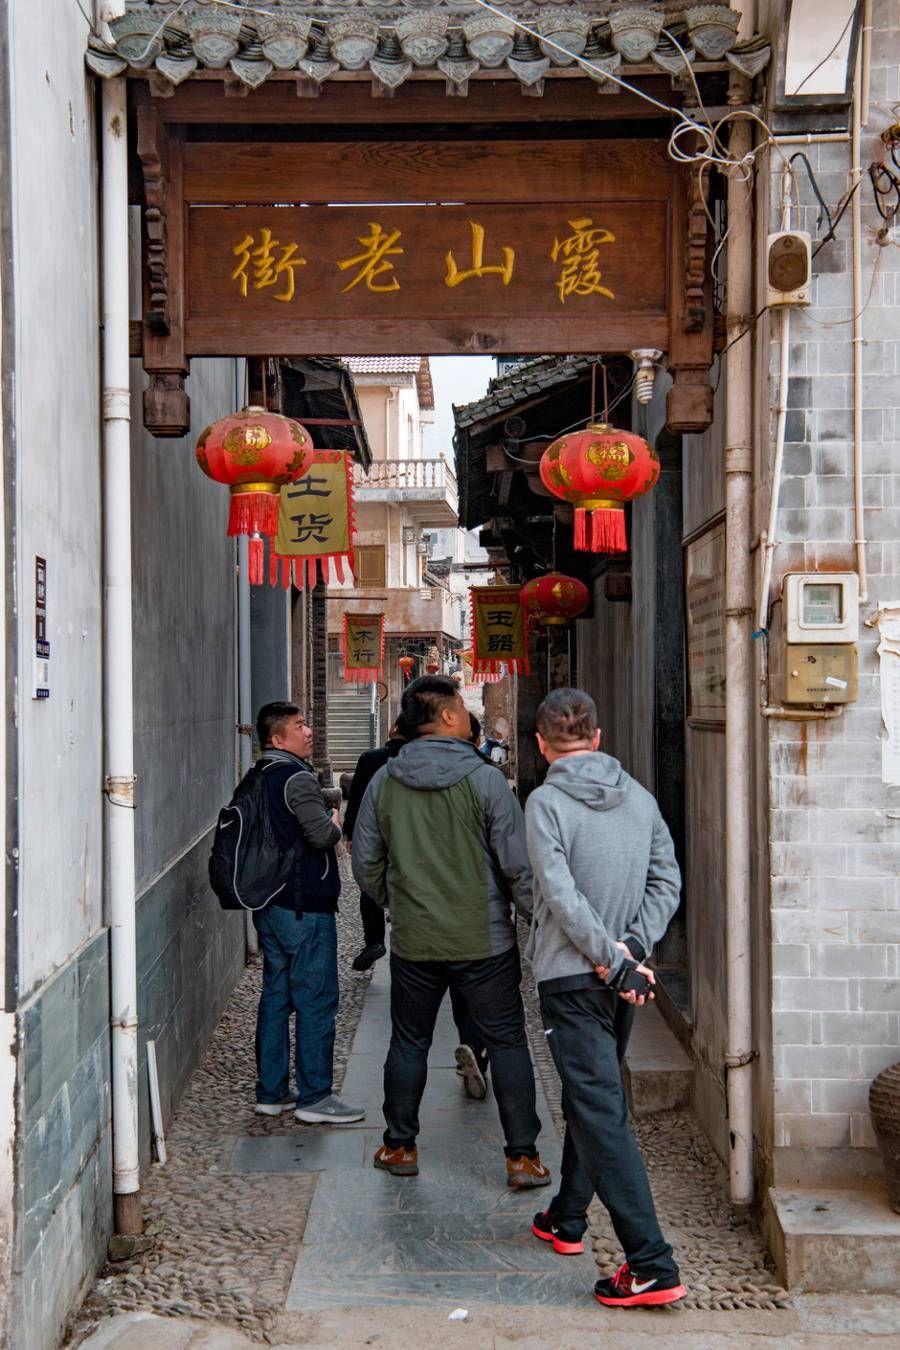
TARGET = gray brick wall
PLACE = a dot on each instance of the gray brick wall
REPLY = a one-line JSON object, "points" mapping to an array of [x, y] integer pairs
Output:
{"points": [[64, 1182], [835, 852]]}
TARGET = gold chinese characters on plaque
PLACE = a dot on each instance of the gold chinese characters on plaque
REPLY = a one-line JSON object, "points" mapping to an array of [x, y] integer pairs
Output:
{"points": [[396, 261]]}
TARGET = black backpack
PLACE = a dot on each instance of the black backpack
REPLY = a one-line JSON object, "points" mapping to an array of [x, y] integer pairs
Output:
{"points": [[248, 866]]}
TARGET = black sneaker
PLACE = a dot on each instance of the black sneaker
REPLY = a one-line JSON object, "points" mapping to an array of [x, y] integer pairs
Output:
{"points": [[628, 1289], [369, 955], [564, 1242], [471, 1069]]}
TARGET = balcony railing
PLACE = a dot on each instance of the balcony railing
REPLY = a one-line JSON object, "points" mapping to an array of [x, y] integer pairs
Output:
{"points": [[407, 475]]}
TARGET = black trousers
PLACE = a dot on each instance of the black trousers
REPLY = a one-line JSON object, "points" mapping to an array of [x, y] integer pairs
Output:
{"points": [[587, 1035], [466, 1026], [491, 990], [372, 916]]}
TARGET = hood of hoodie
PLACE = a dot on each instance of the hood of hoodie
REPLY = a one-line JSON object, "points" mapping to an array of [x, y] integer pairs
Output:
{"points": [[434, 762], [596, 779]]}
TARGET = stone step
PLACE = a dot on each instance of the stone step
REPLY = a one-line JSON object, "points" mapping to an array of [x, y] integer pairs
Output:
{"points": [[658, 1073], [831, 1240]]}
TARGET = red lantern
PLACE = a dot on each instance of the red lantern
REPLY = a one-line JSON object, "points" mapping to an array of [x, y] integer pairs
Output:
{"points": [[406, 664], [598, 470], [554, 599], [255, 452], [432, 667]]}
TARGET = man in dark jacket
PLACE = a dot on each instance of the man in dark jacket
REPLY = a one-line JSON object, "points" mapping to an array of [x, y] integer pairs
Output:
{"points": [[298, 932], [372, 914], [440, 837], [606, 884]]}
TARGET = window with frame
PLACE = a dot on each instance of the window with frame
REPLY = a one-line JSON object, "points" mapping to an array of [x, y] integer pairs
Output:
{"points": [[369, 565]]}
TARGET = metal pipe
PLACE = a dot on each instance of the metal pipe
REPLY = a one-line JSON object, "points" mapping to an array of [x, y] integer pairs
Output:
{"points": [[771, 541], [812, 138], [802, 714], [120, 777], [856, 246], [738, 696]]}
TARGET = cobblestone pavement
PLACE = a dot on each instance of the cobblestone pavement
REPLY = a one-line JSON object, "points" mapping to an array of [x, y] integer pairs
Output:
{"points": [[721, 1256], [224, 1248]]}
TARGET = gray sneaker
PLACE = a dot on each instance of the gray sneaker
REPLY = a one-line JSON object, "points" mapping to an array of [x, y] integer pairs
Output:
{"points": [[273, 1108], [331, 1110]]}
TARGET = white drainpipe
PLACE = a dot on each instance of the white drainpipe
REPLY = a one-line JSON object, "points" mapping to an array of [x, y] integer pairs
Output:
{"points": [[856, 171], [120, 778], [739, 702]]}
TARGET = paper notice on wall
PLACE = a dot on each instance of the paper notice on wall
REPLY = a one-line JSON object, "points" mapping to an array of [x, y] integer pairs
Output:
{"points": [[887, 621]]}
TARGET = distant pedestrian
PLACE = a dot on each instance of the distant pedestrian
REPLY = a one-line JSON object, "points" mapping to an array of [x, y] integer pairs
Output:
{"points": [[372, 914], [606, 884], [440, 837], [298, 932]]}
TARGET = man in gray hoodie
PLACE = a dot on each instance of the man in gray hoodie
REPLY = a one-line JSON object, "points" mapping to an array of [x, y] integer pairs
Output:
{"points": [[606, 884]]}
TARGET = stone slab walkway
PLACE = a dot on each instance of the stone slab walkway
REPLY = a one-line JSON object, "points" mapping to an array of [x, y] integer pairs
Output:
{"points": [[456, 1231]]}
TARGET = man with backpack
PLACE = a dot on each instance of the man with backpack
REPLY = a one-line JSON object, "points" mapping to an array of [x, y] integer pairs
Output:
{"points": [[298, 930]]}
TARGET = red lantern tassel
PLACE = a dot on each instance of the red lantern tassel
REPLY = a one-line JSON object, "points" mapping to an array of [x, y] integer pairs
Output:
{"points": [[255, 564], [253, 513], [601, 530]]}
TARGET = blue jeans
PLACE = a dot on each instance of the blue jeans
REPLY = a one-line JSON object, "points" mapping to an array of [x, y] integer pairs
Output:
{"points": [[300, 977]]}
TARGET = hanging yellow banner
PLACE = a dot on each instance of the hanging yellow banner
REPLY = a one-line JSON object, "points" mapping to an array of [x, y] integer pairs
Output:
{"points": [[499, 630], [363, 647], [315, 521], [470, 679]]}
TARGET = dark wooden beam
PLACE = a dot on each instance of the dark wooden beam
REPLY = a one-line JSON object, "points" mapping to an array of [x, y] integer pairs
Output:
{"points": [[568, 96]]}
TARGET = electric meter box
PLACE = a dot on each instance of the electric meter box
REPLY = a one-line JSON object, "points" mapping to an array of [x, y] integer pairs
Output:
{"points": [[820, 674], [821, 607]]}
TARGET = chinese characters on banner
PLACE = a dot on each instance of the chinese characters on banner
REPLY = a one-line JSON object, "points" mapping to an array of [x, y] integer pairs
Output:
{"points": [[363, 647], [499, 630], [315, 521]]}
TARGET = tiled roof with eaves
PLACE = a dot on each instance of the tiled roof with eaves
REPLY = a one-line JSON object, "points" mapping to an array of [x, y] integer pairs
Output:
{"points": [[248, 43]]}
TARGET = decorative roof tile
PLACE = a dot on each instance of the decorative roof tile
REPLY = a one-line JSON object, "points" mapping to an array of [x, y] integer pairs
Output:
{"points": [[392, 40]]}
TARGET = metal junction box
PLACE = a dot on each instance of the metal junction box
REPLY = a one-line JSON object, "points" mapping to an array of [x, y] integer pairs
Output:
{"points": [[820, 674]]}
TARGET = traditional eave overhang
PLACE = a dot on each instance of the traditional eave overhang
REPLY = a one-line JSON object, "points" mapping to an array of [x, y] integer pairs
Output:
{"points": [[322, 392], [455, 41], [477, 423]]}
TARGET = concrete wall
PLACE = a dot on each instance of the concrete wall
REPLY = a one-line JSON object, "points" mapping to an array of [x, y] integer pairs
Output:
{"points": [[58, 489], [836, 840], [62, 1175], [189, 951], [704, 502], [189, 954]]}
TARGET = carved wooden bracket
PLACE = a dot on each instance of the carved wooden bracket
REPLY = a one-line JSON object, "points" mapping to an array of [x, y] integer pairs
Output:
{"points": [[166, 403], [152, 148], [689, 404], [696, 250]]}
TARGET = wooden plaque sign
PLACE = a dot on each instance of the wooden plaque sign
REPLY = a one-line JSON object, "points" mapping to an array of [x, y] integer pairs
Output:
{"points": [[430, 246], [542, 277]]}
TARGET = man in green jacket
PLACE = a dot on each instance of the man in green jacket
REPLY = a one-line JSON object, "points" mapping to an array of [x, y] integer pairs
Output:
{"points": [[441, 839]]}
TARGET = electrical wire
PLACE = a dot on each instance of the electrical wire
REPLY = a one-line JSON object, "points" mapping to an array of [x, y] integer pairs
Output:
{"points": [[156, 32], [823, 205], [87, 18], [835, 221], [840, 323], [552, 435], [828, 55]]}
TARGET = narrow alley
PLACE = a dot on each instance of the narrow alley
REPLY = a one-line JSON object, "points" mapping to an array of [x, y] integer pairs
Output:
{"points": [[272, 1228]]}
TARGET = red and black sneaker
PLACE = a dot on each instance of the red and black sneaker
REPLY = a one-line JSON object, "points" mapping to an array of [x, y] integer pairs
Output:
{"points": [[627, 1289], [566, 1244]]}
